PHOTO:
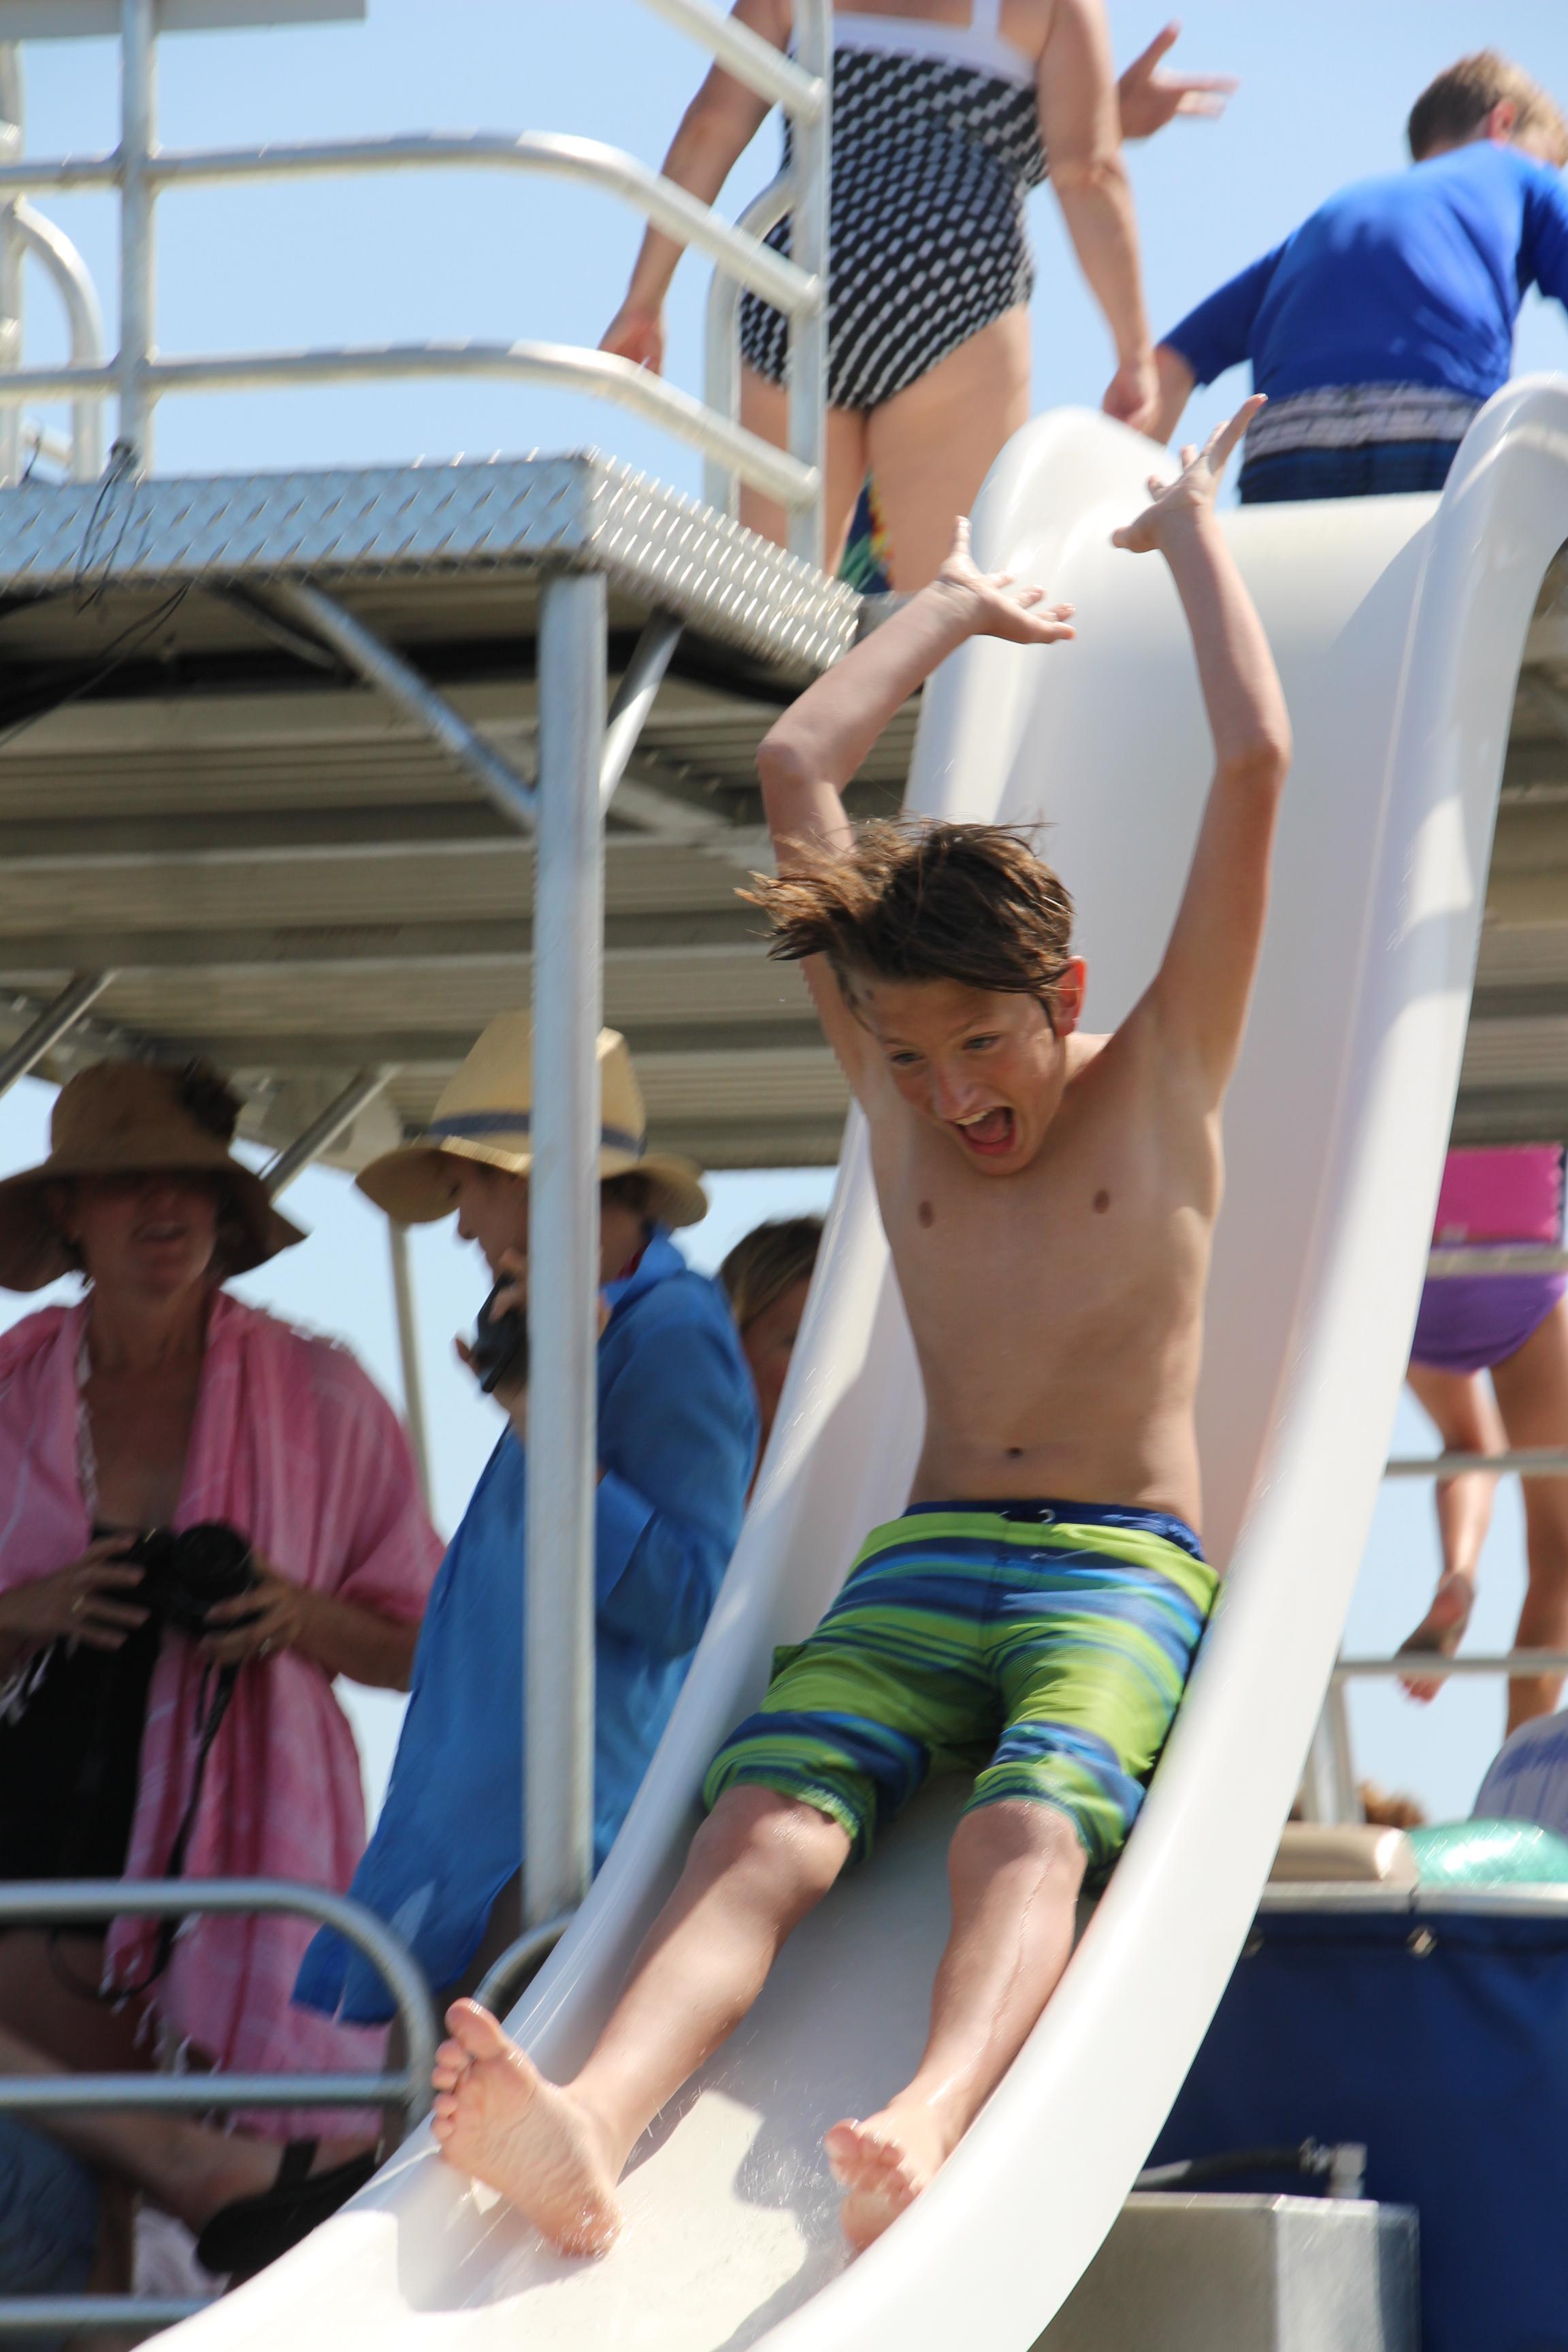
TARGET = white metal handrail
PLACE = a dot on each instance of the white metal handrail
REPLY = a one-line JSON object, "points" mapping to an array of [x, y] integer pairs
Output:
{"points": [[56, 1902], [1455, 1262], [141, 172], [767, 273], [1527, 1462], [721, 339], [1434, 1665]]}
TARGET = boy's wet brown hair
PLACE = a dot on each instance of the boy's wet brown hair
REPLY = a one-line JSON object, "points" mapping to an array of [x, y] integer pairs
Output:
{"points": [[1452, 108], [925, 900]]}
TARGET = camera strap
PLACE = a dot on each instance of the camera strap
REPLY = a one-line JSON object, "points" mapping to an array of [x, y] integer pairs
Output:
{"points": [[212, 1705]]}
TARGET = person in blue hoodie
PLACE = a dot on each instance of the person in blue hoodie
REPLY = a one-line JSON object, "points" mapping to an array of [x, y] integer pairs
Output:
{"points": [[676, 1441], [1381, 325]]}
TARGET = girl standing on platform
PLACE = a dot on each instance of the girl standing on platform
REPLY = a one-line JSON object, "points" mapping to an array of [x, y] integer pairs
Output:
{"points": [[944, 113]]}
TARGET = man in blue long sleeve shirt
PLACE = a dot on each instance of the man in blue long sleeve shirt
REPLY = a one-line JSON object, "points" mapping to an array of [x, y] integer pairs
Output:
{"points": [[1386, 322], [677, 1437]]}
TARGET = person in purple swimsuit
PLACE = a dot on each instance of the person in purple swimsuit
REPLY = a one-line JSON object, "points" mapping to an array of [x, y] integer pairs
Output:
{"points": [[1513, 1327]]}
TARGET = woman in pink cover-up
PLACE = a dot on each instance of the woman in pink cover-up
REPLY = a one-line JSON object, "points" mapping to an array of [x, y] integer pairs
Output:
{"points": [[160, 1401]]}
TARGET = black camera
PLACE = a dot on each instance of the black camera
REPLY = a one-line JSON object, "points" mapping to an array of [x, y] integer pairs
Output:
{"points": [[499, 1346], [184, 1575]]}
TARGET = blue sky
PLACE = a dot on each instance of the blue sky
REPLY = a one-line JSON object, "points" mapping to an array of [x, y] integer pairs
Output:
{"points": [[1324, 93]]}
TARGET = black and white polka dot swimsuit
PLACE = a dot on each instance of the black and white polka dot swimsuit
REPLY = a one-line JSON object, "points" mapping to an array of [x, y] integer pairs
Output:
{"points": [[936, 144]]}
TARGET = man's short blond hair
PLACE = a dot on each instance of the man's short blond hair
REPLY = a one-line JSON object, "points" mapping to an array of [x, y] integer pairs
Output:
{"points": [[1452, 108]]}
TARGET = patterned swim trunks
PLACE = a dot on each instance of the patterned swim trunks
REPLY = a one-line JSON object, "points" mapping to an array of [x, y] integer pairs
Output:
{"points": [[1042, 1646]]}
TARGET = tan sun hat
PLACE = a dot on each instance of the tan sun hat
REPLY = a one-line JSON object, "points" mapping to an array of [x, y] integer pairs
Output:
{"points": [[486, 1112], [113, 1119]]}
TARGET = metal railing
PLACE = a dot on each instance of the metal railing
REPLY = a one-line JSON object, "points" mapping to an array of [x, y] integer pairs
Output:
{"points": [[1330, 1772], [24, 232], [139, 376], [58, 1902]]}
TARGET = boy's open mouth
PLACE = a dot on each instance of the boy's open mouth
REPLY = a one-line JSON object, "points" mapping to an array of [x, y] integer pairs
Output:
{"points": [[990, 1136]]}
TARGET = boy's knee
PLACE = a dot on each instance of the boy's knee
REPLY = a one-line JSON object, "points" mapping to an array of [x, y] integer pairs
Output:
{"points": [[1016, 1830], [779, 1836]]}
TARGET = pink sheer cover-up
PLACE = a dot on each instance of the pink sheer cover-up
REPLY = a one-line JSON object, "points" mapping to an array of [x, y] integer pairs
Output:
{"points": [[295, 1446]]}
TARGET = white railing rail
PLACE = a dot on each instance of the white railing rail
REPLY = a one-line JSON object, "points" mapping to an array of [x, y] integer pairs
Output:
{"points": [[24, 232], [1333, 1749], [139, 376], [1430, 1665]]}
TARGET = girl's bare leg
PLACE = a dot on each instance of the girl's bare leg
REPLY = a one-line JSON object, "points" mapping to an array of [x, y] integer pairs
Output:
{"points": [[764, 410], [1015, 1870], [757, 1864], [1532, 1394], [1467, 1422], [932, 445]]}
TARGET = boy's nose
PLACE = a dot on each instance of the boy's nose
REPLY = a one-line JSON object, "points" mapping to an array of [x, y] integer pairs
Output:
{"points": [[952, 1096]]}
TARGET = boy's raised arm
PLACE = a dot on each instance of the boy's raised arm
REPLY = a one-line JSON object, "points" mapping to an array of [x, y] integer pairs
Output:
{"points": [[1200, 994], [809, 755]]}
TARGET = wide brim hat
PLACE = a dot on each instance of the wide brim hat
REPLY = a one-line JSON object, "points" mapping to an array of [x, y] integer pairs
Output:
{"points": [[120, 1118], [486, 1113]]}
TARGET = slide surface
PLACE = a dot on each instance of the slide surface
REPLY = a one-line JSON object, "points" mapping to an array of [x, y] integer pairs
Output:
{"points": [[1399, 626]]}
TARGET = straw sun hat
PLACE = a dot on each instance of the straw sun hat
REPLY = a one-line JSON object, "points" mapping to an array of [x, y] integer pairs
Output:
{"points": [[486, 1112], [115, 1118]]}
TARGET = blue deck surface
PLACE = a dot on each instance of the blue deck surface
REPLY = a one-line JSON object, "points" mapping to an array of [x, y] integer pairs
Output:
{"points": [[1450, 2063]]}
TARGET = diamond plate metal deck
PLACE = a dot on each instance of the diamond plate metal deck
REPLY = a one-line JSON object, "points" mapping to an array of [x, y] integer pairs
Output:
{"points": [[466, 519]]}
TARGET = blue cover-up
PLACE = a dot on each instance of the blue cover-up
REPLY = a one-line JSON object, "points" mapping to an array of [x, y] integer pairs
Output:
{"points": [[678, 1436], [1414, 277]]}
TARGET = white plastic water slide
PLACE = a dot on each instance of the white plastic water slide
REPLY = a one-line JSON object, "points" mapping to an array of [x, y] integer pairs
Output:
{"points": [[1399, 626]]}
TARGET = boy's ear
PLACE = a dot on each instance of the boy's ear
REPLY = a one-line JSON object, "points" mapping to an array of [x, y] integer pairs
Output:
{"points": [[1502, 122], [1069, 990]]}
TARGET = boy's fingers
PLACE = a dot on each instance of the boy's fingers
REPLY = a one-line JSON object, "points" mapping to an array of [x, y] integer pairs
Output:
{"points": [[1223, 441], [1189, 453]]}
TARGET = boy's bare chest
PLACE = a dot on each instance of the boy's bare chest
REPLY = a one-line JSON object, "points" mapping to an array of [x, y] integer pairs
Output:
{"points": [[1084, 1225]]}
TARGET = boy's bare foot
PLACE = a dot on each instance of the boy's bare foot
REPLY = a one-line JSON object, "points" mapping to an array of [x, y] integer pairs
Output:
{"points": [[1442, 1629], [882, 2165], [497, 2117]]}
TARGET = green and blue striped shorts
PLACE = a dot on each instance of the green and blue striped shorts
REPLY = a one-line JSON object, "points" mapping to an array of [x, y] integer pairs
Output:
{"points": [[1042, 1646]]}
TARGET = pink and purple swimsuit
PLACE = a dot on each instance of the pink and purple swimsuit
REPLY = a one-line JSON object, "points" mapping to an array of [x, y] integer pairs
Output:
{"points": [[1471, 1322]]}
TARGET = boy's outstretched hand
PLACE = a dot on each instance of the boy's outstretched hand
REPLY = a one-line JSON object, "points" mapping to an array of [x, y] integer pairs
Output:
{"points": [[995, 606], [1192, 491]]}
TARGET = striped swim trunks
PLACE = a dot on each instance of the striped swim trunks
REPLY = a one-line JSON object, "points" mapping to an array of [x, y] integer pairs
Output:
{"points": [[1042, 1646]]}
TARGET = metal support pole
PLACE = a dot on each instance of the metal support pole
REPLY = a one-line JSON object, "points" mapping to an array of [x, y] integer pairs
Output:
{"points": [[808, 251], [323, 1132], [408, 1352], [722, 341], [387, 671], [138, 131], [634, 697], [563, 1251], [12, 249], [50, 1026]]}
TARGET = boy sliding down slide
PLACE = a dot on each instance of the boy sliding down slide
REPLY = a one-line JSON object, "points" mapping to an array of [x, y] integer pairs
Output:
{"points": [[1048, 1199]]}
